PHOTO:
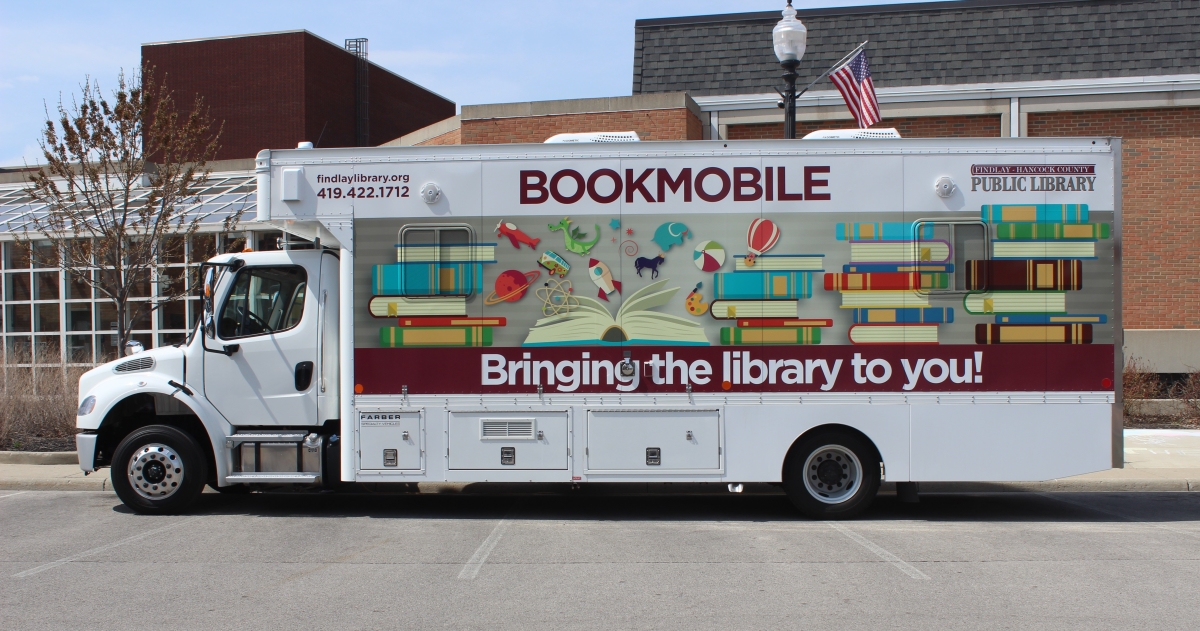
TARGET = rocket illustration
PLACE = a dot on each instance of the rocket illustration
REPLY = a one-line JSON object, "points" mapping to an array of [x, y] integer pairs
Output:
{"points": [[515, 235], [600, 275]]}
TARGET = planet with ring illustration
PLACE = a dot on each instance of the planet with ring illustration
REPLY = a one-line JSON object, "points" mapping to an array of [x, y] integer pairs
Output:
{"points": [[511, 286]]}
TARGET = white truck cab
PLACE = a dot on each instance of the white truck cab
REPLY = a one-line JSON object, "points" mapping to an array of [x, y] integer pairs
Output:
{"points": [[244, 399]]}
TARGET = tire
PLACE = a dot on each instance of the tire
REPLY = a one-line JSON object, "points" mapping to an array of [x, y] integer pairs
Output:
{"points": [[832, 475], [142, 481]]}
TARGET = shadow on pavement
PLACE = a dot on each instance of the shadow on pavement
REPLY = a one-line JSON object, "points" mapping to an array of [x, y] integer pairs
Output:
{"points": [[761, 505]]}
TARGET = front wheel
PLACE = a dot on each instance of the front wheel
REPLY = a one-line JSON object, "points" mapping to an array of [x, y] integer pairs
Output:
{"points": [[158, 470], [832, 475]]}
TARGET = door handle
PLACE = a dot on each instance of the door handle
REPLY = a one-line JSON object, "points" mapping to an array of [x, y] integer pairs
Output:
{"points": [[304, 373]]}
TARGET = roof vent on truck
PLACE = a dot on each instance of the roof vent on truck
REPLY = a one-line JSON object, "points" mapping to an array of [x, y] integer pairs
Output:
{"points": [[595, 136], [852, 134]]}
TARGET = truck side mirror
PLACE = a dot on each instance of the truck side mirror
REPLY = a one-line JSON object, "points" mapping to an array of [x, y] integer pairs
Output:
{"points": [[210, 328]]}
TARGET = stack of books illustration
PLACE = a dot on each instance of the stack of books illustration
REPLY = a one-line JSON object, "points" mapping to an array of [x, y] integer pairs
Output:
{"points": [[887, 281], [426, 290], [763, 300], [1037, 259]]}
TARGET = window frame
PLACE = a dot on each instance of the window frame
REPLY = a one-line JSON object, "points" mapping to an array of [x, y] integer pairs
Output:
{"points": [[987, 251], [233, 284]]}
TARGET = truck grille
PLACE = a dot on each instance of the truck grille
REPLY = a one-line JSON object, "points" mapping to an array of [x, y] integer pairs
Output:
{"points": [[134, 365]]}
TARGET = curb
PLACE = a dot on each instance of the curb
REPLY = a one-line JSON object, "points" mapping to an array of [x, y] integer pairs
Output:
{"points": [[1128, 485], [39, 457], [90, 483]]}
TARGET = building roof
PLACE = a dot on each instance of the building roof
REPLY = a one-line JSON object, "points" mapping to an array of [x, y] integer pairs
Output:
{"points": [[220, 196], [934, 43]]}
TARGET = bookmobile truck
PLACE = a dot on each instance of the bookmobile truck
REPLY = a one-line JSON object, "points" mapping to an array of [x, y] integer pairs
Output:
{"points": [[823, 314]]}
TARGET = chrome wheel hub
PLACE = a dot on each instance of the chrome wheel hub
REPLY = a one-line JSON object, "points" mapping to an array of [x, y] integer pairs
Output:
{"points": [[155, 471], [832, 474]]}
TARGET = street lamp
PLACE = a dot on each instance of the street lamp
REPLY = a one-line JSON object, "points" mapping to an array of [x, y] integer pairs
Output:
{"points": [[789, 37]]}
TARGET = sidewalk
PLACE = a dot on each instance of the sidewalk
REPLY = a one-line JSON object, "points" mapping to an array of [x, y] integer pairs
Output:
{"points": [[1156, 460]]}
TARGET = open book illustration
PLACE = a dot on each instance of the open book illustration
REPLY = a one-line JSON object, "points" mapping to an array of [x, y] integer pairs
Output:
{"points": [[591, 323]]}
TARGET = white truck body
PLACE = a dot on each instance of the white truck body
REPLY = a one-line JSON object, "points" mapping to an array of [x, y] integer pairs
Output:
{"points": [[483, 381]]}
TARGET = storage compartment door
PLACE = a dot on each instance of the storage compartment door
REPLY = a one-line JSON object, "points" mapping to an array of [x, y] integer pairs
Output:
{"points": [[390, 440], [654, 441], [508, 440]]}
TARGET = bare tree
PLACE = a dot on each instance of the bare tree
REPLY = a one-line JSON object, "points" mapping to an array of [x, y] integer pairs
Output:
{"points": [[117, 180]]}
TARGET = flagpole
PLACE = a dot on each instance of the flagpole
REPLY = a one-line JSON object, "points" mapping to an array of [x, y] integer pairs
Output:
{"points": [[833, 67]]}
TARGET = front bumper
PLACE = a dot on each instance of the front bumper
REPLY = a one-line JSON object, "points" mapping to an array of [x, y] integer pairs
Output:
{"points": [[85, 445]]}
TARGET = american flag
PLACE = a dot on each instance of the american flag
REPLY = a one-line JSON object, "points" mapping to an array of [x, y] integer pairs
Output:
{"points": [[853, 80]]}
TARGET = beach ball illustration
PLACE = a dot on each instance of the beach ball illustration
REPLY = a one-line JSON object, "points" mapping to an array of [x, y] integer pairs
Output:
{"points": [[709, 256]]}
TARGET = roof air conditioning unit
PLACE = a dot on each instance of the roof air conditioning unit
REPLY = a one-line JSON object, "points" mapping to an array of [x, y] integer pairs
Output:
{"points": [[852, 134], [595, 136]]}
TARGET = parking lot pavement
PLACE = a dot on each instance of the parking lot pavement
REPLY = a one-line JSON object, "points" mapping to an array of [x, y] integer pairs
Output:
{"points": [[75, 560]]}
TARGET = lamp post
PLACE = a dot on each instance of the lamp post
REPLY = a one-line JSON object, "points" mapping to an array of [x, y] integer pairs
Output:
{"points": [[789, 37]]}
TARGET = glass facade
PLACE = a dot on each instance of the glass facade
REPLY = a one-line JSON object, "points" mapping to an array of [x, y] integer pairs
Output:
{"points": [[54, 318], [50, 319]]}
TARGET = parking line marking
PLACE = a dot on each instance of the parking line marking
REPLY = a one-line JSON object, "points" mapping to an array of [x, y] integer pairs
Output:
{"points": [[12, 494], [471, 569], [879, 552], [103, 548]]}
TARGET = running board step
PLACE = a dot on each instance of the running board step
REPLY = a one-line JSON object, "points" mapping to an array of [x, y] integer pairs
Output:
{"points": [[273, 478], [264, 437]]}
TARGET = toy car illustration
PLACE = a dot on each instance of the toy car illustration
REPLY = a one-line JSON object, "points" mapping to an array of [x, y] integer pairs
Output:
{"points": [[554, 263]]}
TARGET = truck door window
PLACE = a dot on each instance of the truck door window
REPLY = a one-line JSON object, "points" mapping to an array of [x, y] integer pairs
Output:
{"points": [[941, 244], [263, 300]]}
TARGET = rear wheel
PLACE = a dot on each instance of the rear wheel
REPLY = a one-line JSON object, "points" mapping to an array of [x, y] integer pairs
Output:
{"points": [[832, 475], [158, 469]]}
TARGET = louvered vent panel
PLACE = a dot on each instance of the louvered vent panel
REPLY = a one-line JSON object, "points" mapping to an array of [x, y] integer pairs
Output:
{"points": [[134, 365], [506, 428]]}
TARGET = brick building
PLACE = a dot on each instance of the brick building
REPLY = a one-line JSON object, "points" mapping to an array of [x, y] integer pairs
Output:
{"points": [[973, 68], [273, 90], [269, 90]]}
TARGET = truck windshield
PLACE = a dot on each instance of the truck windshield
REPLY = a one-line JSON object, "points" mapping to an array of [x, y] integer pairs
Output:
{"points": [[263, 300]]}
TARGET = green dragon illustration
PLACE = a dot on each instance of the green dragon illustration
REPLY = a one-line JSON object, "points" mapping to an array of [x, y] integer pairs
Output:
{"points": [[573, 238]]}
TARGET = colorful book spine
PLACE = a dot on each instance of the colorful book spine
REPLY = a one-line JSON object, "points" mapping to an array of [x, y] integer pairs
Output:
{"points": [[1043, 249], [733, 309], [450, 321], [885, 280], [396, 336], [883, 231], [781, 263], [770, 323], [432, 253], [1051, 231], [930, 315], [799, 335], [1024, 275], [399, 306], [1035, 213], [935, 251], [883, 299], [893, 334], [425, 279], [1008, 302], [874, 268], [1033, 334], [1052, 318], [765, 285]]}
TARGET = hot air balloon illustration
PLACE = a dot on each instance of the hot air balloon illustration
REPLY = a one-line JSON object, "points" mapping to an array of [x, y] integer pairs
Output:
{"points": [[761, 236]]}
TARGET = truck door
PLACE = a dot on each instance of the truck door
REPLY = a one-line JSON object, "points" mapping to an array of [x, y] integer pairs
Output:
{"points": [[270, 313]]}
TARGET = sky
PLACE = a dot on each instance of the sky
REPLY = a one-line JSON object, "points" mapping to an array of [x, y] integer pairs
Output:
{"points": [[515, 51]]}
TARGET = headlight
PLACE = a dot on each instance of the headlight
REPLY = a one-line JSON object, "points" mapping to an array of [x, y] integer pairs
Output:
{"points": [[87, 405]]}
